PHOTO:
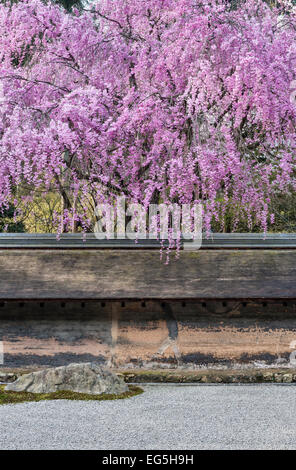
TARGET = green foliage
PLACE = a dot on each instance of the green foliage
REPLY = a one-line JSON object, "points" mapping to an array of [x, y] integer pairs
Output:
{"points": [[69, 4], [7, 222]]}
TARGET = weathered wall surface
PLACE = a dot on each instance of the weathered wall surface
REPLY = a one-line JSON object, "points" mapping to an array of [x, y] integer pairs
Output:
{"points": [[149, 334], [132, 274]]}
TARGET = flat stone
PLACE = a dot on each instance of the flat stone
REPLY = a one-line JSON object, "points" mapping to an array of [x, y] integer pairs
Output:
{"points": [[83, 378], [287, 378], [234, 380], [278, 378], [6, 377], [268, 377]]}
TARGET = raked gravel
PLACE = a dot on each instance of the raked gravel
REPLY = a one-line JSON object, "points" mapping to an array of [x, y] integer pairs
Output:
{"points": [[164, 417]]}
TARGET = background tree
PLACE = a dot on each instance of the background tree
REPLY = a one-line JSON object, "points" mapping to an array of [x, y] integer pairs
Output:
{"points": [[9, 222], [160, 100]]}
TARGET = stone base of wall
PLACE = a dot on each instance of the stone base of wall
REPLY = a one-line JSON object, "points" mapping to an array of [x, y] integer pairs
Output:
{"points": [[180, 376], [211, 376]]}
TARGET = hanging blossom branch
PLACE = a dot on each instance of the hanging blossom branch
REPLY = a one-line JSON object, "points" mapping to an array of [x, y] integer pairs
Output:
{"points": [[169, 100]]}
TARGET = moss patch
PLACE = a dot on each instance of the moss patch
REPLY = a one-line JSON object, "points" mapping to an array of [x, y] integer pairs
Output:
{"points": [[7, 397], [279, 375]]}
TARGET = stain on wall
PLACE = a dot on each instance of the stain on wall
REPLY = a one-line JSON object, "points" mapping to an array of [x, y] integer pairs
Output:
{"points": [[149, 334]]}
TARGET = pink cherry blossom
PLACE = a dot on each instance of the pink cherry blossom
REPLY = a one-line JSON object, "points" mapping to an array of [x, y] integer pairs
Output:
{"points": [[158, 100]]}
